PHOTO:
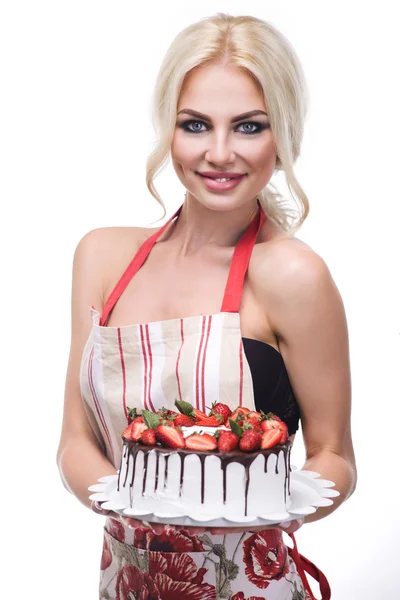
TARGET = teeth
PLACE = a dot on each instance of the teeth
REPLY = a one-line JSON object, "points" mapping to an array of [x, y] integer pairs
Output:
{"points": [[221, 179]]}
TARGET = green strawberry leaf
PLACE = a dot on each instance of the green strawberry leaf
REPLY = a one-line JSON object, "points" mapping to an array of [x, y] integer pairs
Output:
{"points": [[236, 428], [150, 418], [132, 413], [185, 408]]}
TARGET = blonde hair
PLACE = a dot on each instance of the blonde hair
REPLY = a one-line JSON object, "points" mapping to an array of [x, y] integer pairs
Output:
{"points": [[266, 55]]}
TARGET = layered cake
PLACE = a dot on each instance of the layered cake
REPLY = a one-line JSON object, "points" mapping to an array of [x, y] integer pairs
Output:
{"points": [[187, 463]]}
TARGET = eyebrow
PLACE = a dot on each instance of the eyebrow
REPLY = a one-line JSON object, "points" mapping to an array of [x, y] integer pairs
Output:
{"points": [[251, 113]]}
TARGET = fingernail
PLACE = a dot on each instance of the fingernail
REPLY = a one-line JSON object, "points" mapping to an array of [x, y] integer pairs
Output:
{"points": [[285, 524]]}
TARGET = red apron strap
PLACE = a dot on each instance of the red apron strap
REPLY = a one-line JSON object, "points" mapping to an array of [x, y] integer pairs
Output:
{"points": [[306, 566], [240, 262], [132, 268]]}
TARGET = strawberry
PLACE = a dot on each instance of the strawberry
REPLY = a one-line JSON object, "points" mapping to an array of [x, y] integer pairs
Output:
{"points": [[253, 413], [148, 437], [198, 414], [270, 415], [270, 424], [227, 441], [270, 438], [201, 441], [139, 419], [250, 440], [183, 421], [285, 433], [167, 414], [134, 431], [169, 436], [239, 414], [221, 409], [253, 418], [213, 421]]}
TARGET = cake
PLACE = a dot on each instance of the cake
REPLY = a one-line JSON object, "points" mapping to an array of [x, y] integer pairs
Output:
{"points": [[227, 464]]}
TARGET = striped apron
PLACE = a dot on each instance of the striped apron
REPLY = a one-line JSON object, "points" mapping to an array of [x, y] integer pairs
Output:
{"points": [[199, 359]]}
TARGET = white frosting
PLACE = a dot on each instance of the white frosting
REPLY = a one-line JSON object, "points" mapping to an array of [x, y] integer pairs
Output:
{"points": [[268, 489], [197, 428]]}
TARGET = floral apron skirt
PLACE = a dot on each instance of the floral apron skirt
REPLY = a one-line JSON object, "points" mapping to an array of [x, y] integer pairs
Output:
{"points": [[138, 564]]}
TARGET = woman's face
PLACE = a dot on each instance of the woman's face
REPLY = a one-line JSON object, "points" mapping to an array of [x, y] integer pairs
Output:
{"points": [[217, 140]]}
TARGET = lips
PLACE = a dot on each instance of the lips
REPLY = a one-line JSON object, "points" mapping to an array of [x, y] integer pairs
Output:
{"points": [[221, 186], [221, 176]]}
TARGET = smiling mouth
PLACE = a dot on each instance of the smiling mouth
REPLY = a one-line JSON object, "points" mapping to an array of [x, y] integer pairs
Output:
{"points": [[221, 179]]}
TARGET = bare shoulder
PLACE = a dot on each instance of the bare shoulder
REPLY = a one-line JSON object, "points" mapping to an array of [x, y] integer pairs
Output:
{"points": [[108, 250], [290, 275]]}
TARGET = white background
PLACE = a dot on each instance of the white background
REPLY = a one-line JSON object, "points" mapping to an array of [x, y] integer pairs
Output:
{"points": [[76, 82]]}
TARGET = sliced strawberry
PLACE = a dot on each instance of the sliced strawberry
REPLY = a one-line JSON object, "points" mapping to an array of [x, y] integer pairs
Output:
{"points": [[239, 414], [250, 440], [166, 413], [169, 436], [213, 421], [227, 441], [253, 413], [270, 438], [254, 419], [148, 437], [271, 424], [201, 441], [221, 409], [285, 433], [239, 409], [199, 414], [183, 421], [134, 431]]}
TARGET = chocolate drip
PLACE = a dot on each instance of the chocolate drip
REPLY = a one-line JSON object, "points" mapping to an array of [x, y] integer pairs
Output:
{"points": [[133, 478], [202, 458], [166, 457], [157, 466], [276, 466], [182, 457], [145, 459], [119, 474], [246, 489]]}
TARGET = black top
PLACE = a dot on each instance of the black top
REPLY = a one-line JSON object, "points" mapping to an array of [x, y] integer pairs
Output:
{"points": [[271, 385]]}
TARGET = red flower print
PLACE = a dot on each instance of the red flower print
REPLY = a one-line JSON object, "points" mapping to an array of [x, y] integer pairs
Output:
{"points": [[265, 556], [116, 529], [106, 557], [173, 576], [240, 596], [170, 540], [132, 584], [177, 577]]}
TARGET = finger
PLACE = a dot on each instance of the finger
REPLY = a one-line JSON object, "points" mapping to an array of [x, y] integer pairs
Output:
{"points": [[195, 530]]}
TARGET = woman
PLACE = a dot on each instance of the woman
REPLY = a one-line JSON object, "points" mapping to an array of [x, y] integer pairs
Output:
{"points": [[230, 102]]}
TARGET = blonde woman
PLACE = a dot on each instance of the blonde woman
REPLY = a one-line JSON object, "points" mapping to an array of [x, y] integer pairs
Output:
{"points": [[230, 102]]}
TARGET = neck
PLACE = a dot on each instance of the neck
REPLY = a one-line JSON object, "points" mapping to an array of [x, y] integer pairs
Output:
{"points": [[199, 228]]}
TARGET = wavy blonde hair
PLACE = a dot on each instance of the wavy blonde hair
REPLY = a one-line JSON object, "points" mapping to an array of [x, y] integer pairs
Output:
{"points": [[266, 55]]}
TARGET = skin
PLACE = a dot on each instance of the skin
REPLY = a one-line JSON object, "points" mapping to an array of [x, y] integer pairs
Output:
{"points": [[303, 306]]}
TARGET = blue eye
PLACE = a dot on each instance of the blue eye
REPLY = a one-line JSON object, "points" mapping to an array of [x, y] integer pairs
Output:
{"points": [[258, 127]]}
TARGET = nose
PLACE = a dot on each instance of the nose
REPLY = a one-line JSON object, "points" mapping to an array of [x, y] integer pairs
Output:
{"points": [[220, 149]]}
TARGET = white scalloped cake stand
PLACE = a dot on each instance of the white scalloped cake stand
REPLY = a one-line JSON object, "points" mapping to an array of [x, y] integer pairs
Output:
{"points": [[307, 493]]}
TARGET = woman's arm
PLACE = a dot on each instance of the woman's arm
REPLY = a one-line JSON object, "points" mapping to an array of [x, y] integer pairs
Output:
{"points": [[306, 313], [80, 458]]}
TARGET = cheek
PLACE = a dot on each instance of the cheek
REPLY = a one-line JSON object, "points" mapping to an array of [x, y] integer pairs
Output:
{"points": [[184, 150]]}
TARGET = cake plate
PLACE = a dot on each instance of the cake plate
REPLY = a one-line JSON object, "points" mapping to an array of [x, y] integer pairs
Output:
{"points": [[307, 493]]}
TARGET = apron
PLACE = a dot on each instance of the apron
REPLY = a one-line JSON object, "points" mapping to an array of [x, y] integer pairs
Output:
{"points": [[199, 359]]}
